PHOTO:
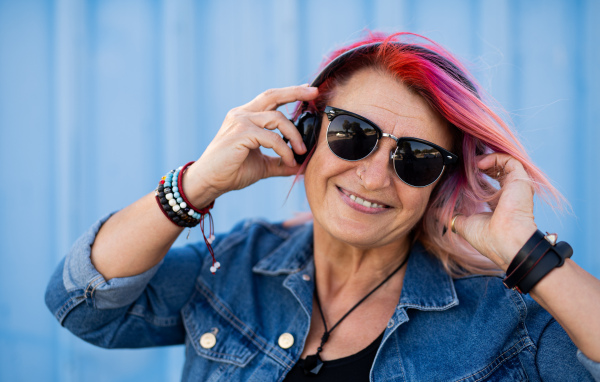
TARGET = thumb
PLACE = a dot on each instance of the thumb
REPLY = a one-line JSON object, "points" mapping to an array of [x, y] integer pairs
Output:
{"points": [[276, 167]]}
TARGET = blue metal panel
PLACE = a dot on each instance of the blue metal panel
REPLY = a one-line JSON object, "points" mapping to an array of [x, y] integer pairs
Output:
{"points": [[26, 157], [98, 99]]}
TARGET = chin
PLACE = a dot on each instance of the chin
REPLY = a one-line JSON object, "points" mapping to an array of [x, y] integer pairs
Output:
{"points": [[356, 234]]}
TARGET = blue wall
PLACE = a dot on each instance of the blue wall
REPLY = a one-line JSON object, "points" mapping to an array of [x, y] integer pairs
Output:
{"points": [[98, 99]]}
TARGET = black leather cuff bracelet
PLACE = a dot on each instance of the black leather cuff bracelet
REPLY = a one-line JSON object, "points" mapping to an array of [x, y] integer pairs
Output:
{"points": [[540, 255]]}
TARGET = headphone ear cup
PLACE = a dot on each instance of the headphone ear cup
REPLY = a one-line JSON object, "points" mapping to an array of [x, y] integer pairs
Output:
{"points": [[308, 126]]}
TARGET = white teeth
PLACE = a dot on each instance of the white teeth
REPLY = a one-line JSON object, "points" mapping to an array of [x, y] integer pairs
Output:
{"points": [[365, 203]]}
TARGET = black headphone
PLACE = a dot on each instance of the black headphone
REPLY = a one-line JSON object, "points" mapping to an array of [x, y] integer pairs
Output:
{"points": [[309, 123]]}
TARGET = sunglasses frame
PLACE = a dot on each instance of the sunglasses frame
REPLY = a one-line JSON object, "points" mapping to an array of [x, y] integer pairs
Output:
{"points": [[334, 112]]}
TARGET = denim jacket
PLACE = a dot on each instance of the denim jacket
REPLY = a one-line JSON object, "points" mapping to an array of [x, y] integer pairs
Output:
{"points": [[443, 329]]}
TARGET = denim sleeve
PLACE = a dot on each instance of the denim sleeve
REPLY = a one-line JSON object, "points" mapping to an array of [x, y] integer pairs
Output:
{"points": [[591, 366], [79, 274], [558, 359], [137, 311]]}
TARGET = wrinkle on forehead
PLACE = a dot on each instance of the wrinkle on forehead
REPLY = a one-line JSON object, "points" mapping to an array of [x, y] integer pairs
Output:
{"points": [[404, 117]]}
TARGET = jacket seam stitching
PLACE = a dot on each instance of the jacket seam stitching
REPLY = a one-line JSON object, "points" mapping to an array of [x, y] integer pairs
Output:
{"points": [[400, 360], [67, 307], [96, 286], [238, 324], [230, 359], [163, 322], [513, 351], [89, 285], [92, 297], [520, 301]]}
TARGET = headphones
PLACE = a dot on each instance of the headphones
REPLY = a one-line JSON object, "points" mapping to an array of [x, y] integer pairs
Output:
{"points": [[309, 123]]}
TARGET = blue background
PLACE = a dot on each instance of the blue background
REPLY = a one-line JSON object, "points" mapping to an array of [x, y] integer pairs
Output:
{"points": [[98, 99]]}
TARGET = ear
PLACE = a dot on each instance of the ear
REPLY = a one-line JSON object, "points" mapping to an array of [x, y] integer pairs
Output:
{"points": [[308, 125]]}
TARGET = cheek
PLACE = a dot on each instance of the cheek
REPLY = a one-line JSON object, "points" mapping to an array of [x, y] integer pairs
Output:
{"points": [[324, 164], [414, 200], [319, 177], [314, 172]]}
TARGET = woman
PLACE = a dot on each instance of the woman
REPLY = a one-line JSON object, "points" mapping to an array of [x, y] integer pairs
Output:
{"points": [[394, 280]]}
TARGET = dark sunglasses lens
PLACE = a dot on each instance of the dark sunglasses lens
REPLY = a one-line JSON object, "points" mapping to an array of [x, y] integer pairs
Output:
{"points": [[350, 138], [418, 164]]}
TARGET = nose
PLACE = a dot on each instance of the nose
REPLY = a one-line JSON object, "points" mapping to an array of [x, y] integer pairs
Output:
{"points": [[376, 171]]}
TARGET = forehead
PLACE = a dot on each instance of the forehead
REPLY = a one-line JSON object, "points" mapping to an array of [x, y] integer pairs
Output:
{"points": [[391, 105]]}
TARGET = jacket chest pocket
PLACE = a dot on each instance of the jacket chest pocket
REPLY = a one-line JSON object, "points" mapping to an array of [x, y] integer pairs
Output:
{"points": [[214, 337], [498, 371]]}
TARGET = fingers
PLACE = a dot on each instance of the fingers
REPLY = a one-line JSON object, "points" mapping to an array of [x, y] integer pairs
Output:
{"points": [[276, 120], [502, 167], [273, 98], [276, 168], [271, 140]]}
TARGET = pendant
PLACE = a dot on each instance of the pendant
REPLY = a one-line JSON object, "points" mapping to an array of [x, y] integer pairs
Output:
{"points": [[312, 364]]}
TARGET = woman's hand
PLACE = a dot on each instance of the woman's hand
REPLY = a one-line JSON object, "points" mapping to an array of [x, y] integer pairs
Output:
{"points": [[500, 234], [233, 159], [569, 293]]}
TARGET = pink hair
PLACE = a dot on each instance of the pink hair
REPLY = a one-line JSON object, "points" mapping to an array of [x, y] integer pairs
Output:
{"points": [[477, 129]]}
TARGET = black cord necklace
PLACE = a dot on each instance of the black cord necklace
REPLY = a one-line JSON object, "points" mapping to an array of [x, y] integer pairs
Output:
{"points": [[313, 363]]}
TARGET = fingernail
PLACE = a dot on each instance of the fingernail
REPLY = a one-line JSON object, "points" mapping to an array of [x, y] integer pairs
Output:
{"points": [[304, 146]]}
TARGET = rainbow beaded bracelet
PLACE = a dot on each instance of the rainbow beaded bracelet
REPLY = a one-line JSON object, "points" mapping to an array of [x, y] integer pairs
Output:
{"points": [[178, 209]]}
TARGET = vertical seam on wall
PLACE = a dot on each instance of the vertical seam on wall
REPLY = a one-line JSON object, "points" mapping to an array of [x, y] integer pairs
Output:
{"points": [[581, 130], [54, 140], [158, 98], [90, 129], [517, 61], [475, 10]]}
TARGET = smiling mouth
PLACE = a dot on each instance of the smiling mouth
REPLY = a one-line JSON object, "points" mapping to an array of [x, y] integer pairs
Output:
{"points": [[361, 201]]}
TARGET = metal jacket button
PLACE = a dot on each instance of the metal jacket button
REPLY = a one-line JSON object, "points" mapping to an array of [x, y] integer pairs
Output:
{"points": [[208, 340], [286, 340]]}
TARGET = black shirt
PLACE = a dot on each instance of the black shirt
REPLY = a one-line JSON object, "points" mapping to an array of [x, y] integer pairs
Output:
{"points": [[348, 369]]}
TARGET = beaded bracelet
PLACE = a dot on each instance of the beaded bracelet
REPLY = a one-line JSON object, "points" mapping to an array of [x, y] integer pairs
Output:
{"points": [[178, 209]]}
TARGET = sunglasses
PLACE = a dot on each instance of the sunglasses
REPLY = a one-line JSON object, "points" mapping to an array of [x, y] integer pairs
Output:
{"points": [[417, 162]]}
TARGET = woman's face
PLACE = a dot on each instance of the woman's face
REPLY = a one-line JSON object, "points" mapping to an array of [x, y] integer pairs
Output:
{"points": [[330, 181]]}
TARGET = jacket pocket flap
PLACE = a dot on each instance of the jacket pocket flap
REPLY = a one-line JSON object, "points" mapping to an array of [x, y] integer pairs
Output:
{"points": [[214, 337]]}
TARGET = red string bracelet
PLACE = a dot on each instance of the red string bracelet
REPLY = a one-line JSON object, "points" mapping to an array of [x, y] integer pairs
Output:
{"points": [[202, 211]]}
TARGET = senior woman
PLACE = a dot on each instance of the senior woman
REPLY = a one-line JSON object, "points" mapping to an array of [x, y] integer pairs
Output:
{"points": [[397, 277]]}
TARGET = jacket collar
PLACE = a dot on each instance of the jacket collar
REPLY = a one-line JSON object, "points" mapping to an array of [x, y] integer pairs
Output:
{"points": [[291, 256], [426, 285]]}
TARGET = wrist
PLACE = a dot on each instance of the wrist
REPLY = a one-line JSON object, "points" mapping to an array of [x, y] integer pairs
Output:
{"points": [[200, 193], [181, 211], [514, 242]]}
